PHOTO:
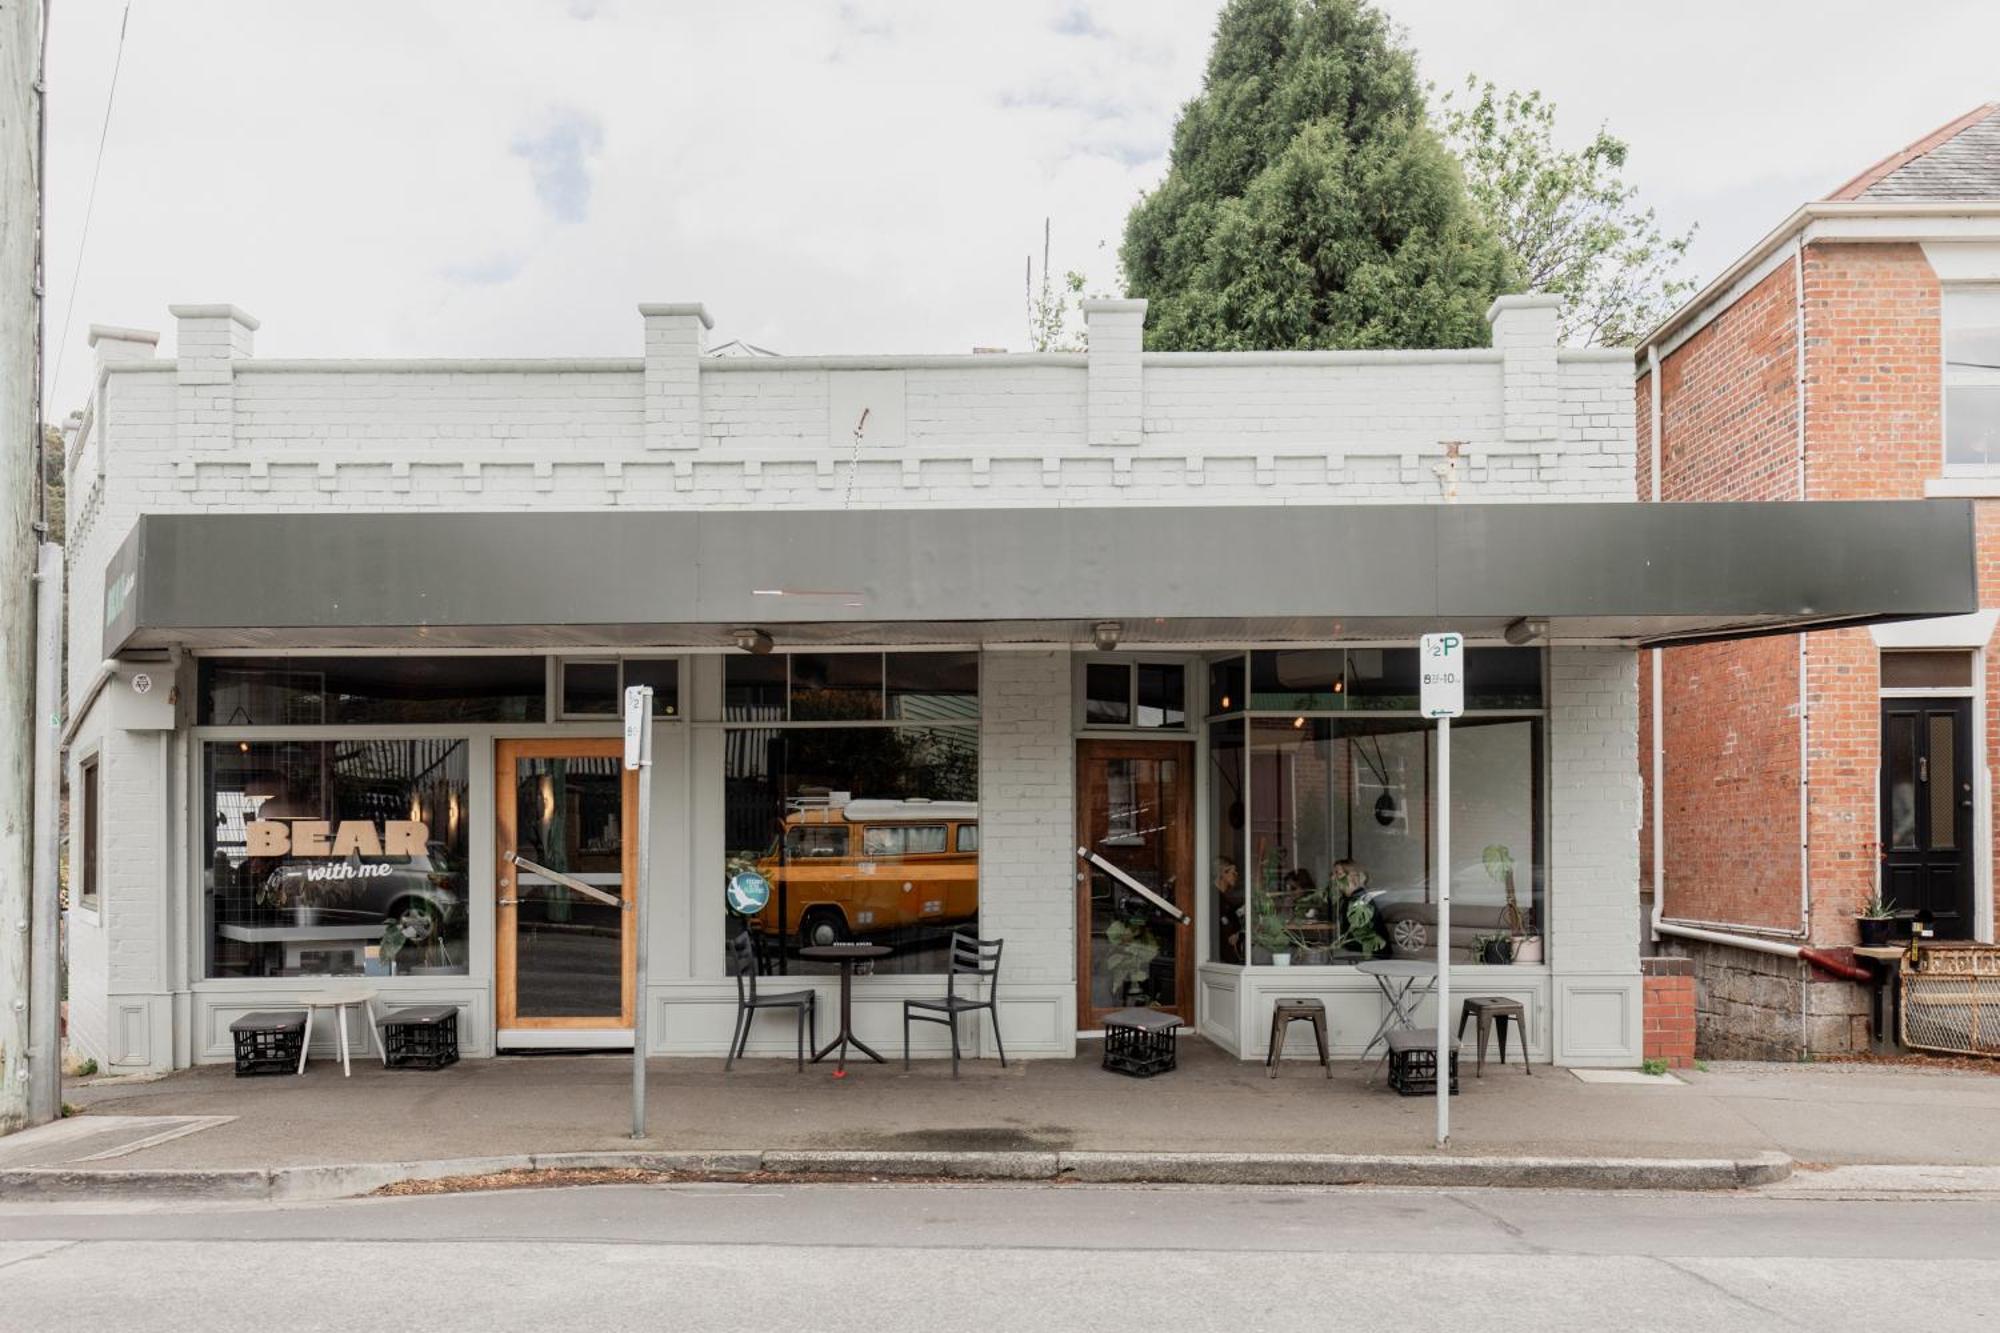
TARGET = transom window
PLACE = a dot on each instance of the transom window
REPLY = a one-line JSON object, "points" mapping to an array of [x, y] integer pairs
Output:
{"points": [[1134, 694]]}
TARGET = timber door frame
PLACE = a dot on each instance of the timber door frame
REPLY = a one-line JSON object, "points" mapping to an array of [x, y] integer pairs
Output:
{"points": [[506, 916], [1183, 844]]}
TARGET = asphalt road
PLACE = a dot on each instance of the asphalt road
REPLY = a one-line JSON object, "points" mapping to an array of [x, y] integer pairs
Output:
{"points": [[834, 1257]]}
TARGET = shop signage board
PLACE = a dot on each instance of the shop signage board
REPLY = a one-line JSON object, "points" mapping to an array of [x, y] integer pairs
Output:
{"points": [[1441, 667]]}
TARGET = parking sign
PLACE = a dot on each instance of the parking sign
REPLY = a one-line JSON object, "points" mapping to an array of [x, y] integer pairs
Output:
{"points": [[1442, 663]]}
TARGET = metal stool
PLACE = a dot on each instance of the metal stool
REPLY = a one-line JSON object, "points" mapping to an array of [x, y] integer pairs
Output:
{"points": [[1494, 1011], [1293, 1010]]}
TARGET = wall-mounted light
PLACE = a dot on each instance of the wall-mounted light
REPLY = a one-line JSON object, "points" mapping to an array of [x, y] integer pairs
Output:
{"points": [[751, 640], [1105, 635], [1526, 630]]}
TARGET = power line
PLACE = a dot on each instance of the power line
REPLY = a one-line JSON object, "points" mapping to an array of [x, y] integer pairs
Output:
{"points": [[90, 204]]}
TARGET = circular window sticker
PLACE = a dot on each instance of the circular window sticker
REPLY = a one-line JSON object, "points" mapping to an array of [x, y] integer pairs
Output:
{"points": [[748, 892]]}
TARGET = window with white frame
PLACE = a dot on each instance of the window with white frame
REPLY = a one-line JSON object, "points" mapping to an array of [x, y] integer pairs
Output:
{"points": [[1972, 375]]}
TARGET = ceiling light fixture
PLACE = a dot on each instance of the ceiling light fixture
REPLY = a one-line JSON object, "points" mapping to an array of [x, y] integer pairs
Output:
{"points": [[1526, 630], [1105, 635], [751, 640]]}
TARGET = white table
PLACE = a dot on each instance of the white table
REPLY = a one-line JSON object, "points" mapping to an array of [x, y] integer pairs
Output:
{"points": [[340, 1001], [1405, 983]]}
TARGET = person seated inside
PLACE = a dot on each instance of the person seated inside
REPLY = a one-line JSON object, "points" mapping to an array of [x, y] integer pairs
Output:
{"points": [[1229, 910]]}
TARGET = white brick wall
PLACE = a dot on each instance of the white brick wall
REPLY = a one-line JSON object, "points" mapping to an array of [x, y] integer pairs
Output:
{"points": [[1594, 854], [216, 430], [1027, 804]]}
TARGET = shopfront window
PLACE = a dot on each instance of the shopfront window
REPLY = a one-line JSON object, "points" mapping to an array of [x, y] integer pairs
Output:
{"points": [[1323, 824], [335, 858], [866, 831], [370, 691]]}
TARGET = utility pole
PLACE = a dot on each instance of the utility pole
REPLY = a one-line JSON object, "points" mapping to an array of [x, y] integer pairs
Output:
{"points": [[20, 450]]}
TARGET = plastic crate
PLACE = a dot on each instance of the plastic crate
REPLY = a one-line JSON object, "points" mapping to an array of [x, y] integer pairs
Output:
{"points": [[1140, 1042], [1413, 1063], [269, 1042], [421, 1038]]}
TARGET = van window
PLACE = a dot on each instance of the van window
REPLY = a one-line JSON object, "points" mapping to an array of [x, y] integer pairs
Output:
{"points": [[816, 841], [968, 837], [902, 839]]}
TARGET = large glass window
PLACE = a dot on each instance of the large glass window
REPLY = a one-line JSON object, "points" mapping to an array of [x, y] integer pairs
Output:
{"points": [[335, 858], [867, 831], [1321, 808], [370, 691], [1227, 810], [1972, 375], [1343, 841]]}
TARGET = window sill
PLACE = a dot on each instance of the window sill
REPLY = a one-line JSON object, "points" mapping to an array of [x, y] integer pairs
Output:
{"points": [[1965, 482]]}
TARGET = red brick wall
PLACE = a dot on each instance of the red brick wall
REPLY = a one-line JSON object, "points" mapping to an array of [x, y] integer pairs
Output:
{"points": [[1732, 769], [1873, 432], [1669, 1011]]}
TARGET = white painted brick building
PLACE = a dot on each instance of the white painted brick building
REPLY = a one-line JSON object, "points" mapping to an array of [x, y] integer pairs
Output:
{"points": [[248, 487]]}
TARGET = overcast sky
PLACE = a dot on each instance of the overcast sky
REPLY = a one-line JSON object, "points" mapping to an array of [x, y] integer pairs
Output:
{"points": [[417, 177]]}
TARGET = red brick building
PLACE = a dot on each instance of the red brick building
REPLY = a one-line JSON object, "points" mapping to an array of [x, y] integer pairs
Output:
{"points": [[1853, 354]]}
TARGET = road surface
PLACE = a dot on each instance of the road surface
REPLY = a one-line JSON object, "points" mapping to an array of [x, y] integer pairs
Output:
{"points": [[773, 1258]]}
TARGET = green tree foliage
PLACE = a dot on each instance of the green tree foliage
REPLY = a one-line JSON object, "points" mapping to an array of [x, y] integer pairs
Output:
{"points": [[53, 485], [1309, 202], [1569, 220]]}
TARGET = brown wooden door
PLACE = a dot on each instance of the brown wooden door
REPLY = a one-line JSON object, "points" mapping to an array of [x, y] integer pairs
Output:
{"points": [[564, 960], [1135, 809]]}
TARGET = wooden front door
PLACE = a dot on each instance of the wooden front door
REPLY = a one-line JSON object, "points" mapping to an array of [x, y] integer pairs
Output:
{"points": [[564, 959], [1134, 809], [1927, 810]]}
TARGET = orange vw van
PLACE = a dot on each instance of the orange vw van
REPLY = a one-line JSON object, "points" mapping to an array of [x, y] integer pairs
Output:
{"points": [[872, 866]]}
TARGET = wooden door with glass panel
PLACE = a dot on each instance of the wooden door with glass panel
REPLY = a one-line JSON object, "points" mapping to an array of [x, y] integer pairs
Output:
{"points": [[565, 957], [1135, 811]]}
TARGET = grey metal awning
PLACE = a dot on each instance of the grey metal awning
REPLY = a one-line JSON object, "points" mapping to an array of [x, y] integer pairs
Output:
{"points": [[1636, 573]]}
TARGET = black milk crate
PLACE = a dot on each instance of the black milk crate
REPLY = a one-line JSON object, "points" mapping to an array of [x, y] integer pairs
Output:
{"points": [[1413, 1063], [425, 1037], [269, 1041], [1139, 1042]]}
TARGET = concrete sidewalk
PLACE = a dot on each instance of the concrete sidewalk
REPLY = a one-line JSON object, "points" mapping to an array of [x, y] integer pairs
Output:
{"points": [[1730, 1117]]}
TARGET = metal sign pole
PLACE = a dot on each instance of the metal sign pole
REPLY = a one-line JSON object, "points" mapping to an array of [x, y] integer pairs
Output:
{"points": [[1444, 932], [639, 755], [1442, 658]]}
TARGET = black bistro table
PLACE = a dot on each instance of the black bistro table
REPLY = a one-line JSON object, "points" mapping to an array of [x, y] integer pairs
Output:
{"points": [[847, 955]]}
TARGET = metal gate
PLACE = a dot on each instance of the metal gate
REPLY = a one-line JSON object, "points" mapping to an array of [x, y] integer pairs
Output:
{"points": [[1951, 1000]]}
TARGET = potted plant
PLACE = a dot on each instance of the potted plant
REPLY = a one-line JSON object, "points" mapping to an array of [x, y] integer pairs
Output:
{"points": [[1268, 932], [1128, 957], [1495, 950], [1358, 930], [1877, 921]]}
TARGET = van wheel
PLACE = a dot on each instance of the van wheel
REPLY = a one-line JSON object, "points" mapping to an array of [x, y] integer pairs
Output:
{"points": [[419, 921], [822, 926]]}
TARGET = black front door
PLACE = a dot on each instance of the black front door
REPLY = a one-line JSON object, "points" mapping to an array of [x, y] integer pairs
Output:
{"points": [[1927, 810]]}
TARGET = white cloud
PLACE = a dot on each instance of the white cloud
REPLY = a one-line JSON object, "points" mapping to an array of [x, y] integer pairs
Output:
{"points": [[854, 177]]}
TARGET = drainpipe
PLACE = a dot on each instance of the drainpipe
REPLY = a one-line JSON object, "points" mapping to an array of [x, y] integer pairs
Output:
{"points": [[1659, 690], [1819, 958], [1805, 710]]}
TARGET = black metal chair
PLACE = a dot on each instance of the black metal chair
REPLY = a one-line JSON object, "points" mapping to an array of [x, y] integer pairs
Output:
{"points": [[970, 958], [743, 961]]}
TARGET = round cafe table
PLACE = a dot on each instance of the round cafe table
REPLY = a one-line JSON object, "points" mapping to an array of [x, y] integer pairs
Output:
{"points": [[847, 955]]}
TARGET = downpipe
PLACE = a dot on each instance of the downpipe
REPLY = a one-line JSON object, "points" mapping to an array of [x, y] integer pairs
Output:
{"points": [[1819, 958]]}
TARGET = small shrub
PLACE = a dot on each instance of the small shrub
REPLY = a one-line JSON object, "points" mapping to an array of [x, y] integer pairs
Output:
{"points": [[1655, 1067]]}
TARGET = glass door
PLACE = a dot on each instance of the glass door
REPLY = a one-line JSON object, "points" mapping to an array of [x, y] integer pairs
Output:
{"points": [[1135, 819], [565, 950]]}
